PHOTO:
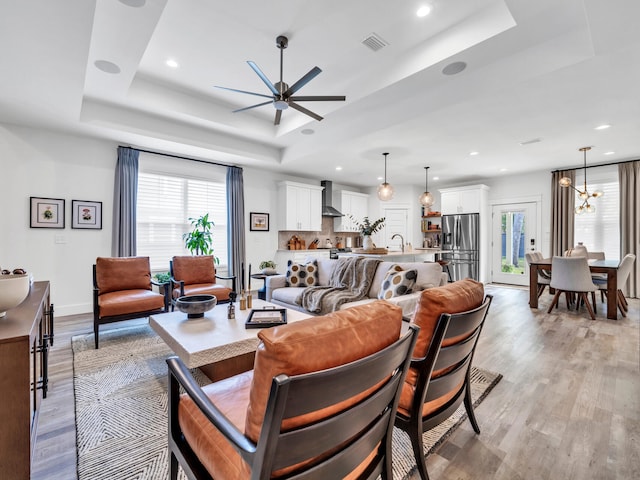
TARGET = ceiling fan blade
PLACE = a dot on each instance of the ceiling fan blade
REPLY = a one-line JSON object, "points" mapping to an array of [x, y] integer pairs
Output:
{"points": [[311, 74], [263, 77], [244, 91], [253, 106], [315, 98], [305, 111], [276, 121]]}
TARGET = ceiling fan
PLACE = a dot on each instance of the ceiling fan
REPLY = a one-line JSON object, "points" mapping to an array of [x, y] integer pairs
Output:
{"points": [[282, 94]]}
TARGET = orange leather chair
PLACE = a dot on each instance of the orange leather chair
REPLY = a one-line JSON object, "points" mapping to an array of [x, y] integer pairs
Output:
{"points": [[450, 320], [122, 291], [320, 399], [196, 275]]}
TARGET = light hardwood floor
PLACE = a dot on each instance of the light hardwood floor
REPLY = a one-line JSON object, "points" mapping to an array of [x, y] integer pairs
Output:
{"points": [[568, 406]]}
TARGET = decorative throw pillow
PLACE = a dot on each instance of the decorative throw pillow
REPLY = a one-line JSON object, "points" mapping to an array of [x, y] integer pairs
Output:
{"points": [[397, 282], [302, 275]]}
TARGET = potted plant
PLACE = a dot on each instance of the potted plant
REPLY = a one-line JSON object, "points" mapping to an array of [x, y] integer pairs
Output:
{"points": [[162, 277], [199, 241], [367, 228], [268, 267]]}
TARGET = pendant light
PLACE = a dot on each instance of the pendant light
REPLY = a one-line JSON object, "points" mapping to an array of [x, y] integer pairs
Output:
{"points": [[426, 199], [385, 191], [584, 194]]}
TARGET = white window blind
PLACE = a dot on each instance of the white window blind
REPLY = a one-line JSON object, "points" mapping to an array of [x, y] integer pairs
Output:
{"points": [[600, 231], [165, 203]]}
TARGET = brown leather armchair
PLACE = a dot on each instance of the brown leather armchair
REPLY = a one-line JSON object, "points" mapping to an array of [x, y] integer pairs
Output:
{"points": [[450, 318], [320, 400], [196, 275], [122, 291]]}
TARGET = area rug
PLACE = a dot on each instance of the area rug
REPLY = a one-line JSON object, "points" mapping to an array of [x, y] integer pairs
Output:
{"points": [[121, 408]]}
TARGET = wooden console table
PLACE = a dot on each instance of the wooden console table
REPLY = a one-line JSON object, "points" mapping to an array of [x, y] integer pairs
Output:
{"points": [[25, 335]]}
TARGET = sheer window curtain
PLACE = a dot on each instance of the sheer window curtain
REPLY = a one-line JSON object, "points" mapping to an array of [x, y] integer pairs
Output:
{"points": [[629, 178], [125, 197], [562, 212], [235, 223]]}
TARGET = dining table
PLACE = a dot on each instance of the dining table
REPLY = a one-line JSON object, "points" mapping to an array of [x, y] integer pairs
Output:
{"points": [[608, 267]]}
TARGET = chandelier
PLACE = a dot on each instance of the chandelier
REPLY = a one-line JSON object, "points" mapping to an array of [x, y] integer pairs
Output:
{"points": [[584, 194], [426, 198], [385, 191]]}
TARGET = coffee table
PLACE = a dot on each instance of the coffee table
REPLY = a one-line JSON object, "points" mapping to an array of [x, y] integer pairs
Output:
{"points": [[219, 346]]}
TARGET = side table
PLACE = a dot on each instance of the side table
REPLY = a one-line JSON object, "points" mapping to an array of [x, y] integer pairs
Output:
{"points": [[262, 293]]}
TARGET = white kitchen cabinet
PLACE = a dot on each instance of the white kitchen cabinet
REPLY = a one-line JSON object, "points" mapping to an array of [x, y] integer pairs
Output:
{"points": [[469, 199], [349, 203], [301, 205]]}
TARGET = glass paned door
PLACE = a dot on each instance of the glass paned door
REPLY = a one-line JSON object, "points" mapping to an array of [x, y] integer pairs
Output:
{"points": [[514, 233]]}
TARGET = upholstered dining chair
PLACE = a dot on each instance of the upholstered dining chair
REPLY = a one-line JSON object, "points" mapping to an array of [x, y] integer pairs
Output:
{"points": [[572, 275], [196, 275], [319, 403], [624, 270], [450, 318], [122, 291], [544, 276]]}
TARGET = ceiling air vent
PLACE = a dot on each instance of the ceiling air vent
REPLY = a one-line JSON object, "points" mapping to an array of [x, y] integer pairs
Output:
{"points": [[374, 42]]}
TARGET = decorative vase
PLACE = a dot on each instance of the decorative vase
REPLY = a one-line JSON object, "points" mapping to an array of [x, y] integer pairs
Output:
{"points": [[367, 242]]}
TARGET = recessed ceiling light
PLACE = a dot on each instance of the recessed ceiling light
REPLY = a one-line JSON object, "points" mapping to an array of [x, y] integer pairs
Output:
{"points": [[602, 127], [107, 67], [172, 63], [454, 68], [134, 3], [474, 153], [338, 168], [307, 131], [503, 169], [609, 153], [380, 178], [435, 178], [423, 11]]}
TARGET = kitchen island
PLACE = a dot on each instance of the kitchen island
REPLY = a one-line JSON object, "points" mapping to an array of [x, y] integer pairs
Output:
{"points": [[409, 255]]}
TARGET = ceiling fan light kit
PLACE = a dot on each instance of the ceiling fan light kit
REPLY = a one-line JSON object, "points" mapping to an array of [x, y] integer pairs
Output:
{"points": [[282, 95], [584, 194], [385, 190]]}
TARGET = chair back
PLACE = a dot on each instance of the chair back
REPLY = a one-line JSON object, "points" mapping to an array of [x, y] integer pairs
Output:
{"points": [[194, 269], [596, 256], [543, 275], [624, 269], [572, 274], [113, 274]]}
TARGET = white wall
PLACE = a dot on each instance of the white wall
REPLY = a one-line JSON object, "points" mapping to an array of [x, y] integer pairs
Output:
{"points": [[44, 164]]}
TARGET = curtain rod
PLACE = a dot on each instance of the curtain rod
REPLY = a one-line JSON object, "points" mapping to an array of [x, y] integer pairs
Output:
{"points": [[210, 162], [593, 166]]}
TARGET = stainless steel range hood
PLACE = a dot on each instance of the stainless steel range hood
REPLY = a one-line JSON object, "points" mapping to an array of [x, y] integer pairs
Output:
{"points": [[327, 197]]}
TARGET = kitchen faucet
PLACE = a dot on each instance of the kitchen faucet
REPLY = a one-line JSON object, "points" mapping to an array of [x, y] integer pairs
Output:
{"points": [[401, 240]]}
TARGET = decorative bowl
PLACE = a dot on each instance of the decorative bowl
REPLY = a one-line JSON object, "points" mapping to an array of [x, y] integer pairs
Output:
{"points": [[269, 271], [13, 290], [195, 305]]}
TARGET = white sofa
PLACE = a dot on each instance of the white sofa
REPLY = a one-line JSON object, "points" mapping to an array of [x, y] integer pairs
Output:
{"points": [[430, 275]]}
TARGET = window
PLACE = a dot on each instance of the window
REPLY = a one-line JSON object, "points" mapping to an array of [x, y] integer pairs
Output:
{"points": [[166, 201], [600, 231]]}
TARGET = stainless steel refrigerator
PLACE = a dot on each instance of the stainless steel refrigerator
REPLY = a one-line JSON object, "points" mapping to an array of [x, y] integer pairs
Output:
{"points": [[461, 237]]}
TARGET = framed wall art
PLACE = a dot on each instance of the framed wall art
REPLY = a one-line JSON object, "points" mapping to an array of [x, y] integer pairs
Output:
{"points": [[47, 212], [259, 222], [86, 214]]}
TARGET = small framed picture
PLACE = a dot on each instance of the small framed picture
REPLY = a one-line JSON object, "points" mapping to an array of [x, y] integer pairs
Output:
{"points": [[47, 212], [86, 214], [259, 222]]}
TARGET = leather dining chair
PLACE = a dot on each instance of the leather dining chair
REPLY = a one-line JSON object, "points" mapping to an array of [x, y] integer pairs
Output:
{"points": [[572, 275], [624, 270], [544, 276], [296, 415]]}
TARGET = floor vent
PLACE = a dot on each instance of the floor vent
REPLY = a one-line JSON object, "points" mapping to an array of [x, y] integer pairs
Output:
{"points": [[374, 42]]}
